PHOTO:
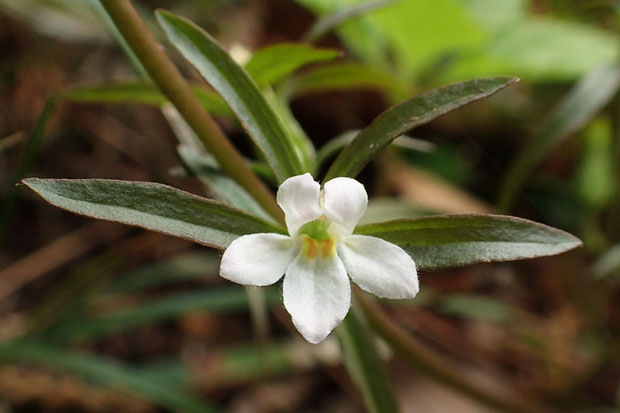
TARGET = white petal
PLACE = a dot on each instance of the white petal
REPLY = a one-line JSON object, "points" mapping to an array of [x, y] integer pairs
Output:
{"points": [[258, 259], [345, 202], [379, 267], [298, 197], [317, 294]]}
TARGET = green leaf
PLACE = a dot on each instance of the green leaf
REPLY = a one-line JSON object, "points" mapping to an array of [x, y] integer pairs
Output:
{"points": [[477, 307], [608, 263], [103, 371], [238, 90], [205, 168], [420, 34], [104, 17], [384, 209], [551, 49], [341, 76], [443, 241], [594, 180], [330, 21], [497, 14], [142, 92], [302, 143], [407, 115], [221, 300], [151, 206], [336, 144], [271, 64], [361, 359], [9, 205], [189, 266], [587, 97]]}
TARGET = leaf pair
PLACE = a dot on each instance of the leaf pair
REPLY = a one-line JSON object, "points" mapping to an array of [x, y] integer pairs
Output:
{"points": [[285, 156], [433, 242]]}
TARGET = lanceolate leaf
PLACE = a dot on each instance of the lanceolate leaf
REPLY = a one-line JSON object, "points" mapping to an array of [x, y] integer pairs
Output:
{"points": [[142, 92], [219, 300], [152, 206], [592, 92], [238, 90], [9, 204], [455, 240], [103, 371], [223, 188], [273, 63], [363, 362], [408, 115], [341, 76], [327, 23]]}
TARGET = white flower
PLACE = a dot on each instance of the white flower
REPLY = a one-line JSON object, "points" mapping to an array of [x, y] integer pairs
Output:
{"points": [[318, 255]]}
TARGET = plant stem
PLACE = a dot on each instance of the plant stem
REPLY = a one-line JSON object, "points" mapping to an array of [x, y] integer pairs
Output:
{"points": [[172, 84], [429, 364]]}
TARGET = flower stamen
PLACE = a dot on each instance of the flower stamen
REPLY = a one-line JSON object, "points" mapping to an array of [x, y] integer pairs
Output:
{"points": [[310, 248], [328, 248]]}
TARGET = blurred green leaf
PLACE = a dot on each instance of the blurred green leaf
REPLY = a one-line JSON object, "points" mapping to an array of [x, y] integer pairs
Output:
{"points": [[408, 115], [385, 209], [238, 90], [205, 168], [608, 263], [454, 40], [595, 182], [421, 33], [455, 240], [189, 266], [583, 101], [102, 14], [339, 16], [497, 14], [142, 92], [361, 37], [334, 145], [540, 49], [9, 205], [236, 364], [69, 20], [151, 206], [103, 371], [361, 359], [212, 301], [301, 142], [271, 64], [341, 76], [477, 307], [411, 33]]}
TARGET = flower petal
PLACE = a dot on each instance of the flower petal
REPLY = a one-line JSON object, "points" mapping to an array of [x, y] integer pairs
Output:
{"points": [[317, 294], [298, 197], [345, 202], [258, 259], [379, 267]]}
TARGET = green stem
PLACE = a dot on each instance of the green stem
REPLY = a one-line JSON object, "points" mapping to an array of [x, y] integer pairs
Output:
{"points": [[362, 360], [429, 364], [172, 84]]}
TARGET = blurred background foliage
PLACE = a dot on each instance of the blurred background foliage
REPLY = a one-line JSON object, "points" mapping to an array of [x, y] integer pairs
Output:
{"points": [[99, 317]]}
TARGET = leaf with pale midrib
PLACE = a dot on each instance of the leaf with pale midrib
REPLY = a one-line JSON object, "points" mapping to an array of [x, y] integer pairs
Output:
{"points": [[407, 115], [238, 90], [443, 241], [152, 206]]}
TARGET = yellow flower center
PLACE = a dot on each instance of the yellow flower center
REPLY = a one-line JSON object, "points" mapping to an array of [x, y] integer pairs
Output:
{"points": [[312, 248]]}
